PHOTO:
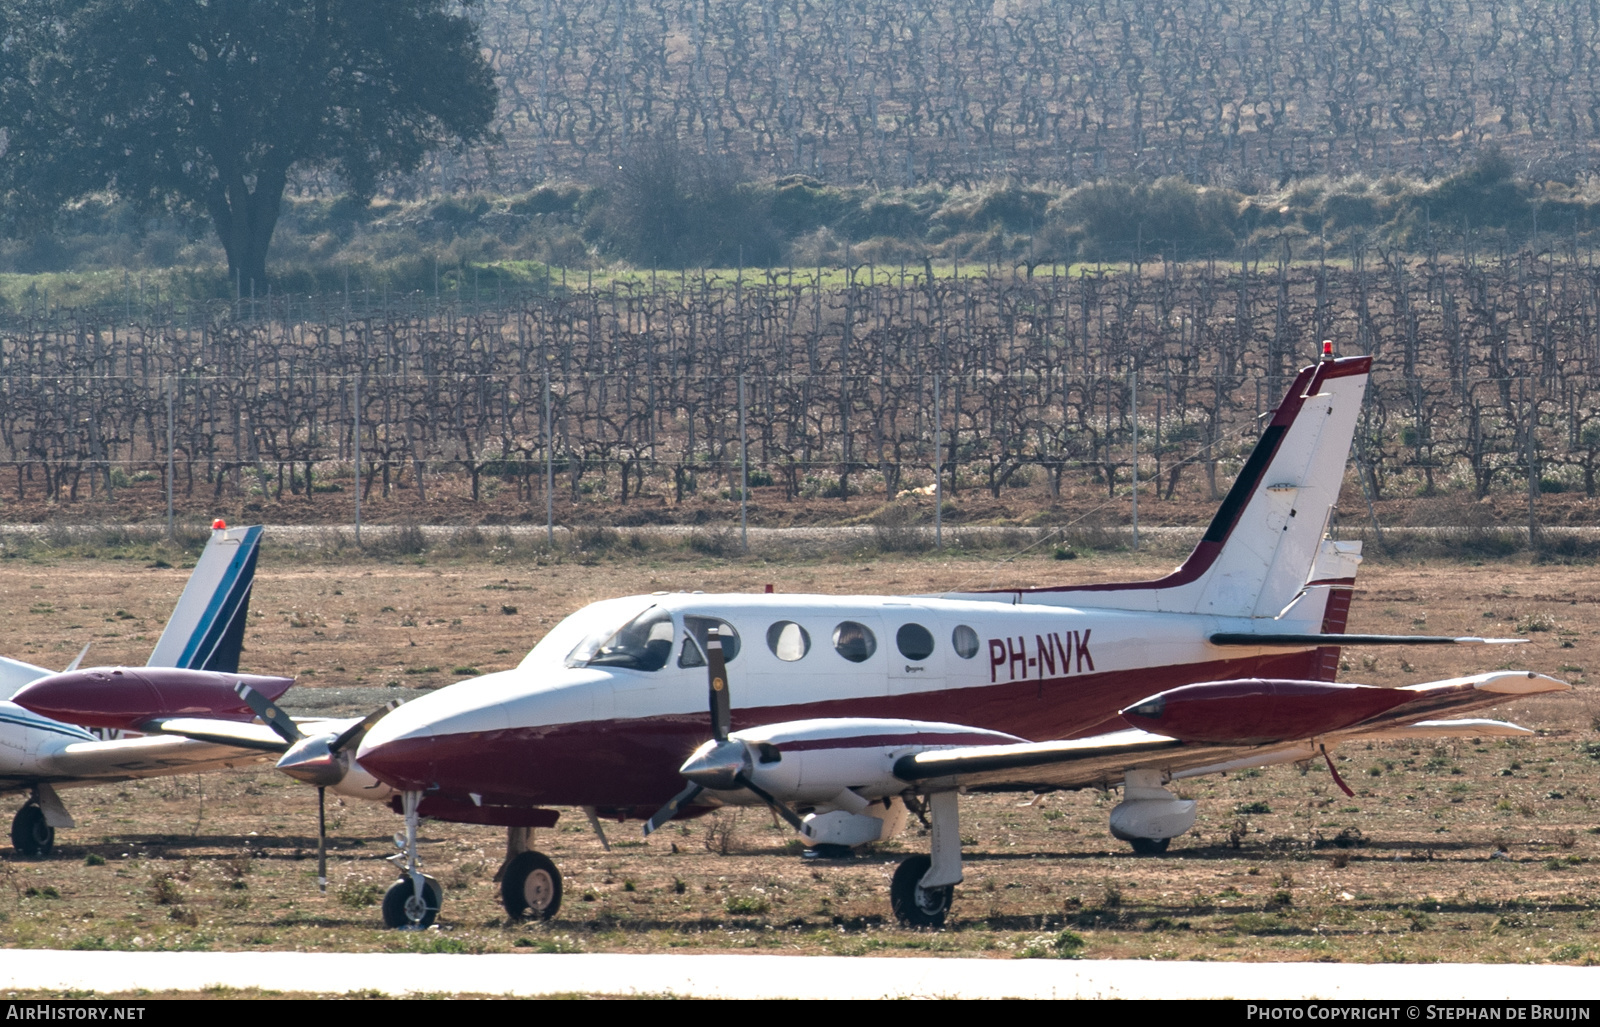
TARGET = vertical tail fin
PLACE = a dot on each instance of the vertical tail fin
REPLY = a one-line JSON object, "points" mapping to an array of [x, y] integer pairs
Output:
{"points": [[206, 629], [1262, 547]]}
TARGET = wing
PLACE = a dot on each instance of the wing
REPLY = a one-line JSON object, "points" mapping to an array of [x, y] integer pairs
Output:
{"points": [[1099, 761], [252, 735], [1103, 760], [258, 737], [149, 756]]}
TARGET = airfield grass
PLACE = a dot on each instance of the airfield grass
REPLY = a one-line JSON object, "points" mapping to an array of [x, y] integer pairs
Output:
{"points": [[1470, 850]]}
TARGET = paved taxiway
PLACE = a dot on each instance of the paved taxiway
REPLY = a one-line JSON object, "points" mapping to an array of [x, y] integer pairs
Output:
{"points": [[765, 976]]}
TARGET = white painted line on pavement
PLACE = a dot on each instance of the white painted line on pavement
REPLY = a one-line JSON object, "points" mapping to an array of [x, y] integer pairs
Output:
{"points": [[769, 976]]}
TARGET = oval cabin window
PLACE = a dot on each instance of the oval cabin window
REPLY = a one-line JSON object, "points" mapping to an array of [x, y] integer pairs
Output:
{"points": [[788, 641], [855, 642], [915, 641], [965, 642]]}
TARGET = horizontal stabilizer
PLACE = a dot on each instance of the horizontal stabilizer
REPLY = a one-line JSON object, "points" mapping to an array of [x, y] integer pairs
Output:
{"points": [[1284, 641], [1450, 729]]}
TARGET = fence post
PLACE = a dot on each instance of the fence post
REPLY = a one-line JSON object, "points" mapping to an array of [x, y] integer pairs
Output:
{"points": [[169, 456], [744, 475], [549, 468], [938, 466], [1133, 401], [356, 402]]}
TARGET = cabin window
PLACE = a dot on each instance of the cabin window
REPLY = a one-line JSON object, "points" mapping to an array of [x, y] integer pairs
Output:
{"points": [[644, 643], [696, 630], [788, 641], [855, 642], [915, 641], [965, 642]]}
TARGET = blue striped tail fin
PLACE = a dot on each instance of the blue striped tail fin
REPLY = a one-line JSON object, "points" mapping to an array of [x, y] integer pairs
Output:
{"points": [[206, 629]]}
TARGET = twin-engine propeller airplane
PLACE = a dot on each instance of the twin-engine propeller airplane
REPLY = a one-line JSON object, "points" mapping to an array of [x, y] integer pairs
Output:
{"points": [[179, 714], [852, 711]]}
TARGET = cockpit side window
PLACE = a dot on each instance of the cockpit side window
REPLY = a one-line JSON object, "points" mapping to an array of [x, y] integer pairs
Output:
{"points": [[644, 643], [696, 630]]}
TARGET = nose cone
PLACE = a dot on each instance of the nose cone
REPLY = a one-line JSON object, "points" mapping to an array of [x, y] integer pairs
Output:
{"points": [[310, 761], [441, 733], [716, 765]]}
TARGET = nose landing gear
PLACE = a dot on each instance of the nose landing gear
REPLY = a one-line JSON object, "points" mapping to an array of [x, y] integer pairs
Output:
{"points": [[412, 902]]}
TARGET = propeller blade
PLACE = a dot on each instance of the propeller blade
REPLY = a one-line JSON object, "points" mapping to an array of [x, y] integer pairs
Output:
{"points": [[717, 670], [269, 713], [77, 659], [772, 802], [322, 839], [355, 732], [670, 810]]}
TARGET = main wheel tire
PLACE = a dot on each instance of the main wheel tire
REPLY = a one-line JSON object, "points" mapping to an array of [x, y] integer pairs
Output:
{"points": [[914, 905], [530, 889], [1149, 846], [399, 902], [30, 835]]}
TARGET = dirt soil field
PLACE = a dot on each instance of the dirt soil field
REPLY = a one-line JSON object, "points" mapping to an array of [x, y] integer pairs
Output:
{"points": [[1462, 851]]}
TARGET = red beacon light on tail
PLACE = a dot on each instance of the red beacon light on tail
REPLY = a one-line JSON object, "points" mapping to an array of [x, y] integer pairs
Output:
{"points": [[1327, 351], [221, 525]]}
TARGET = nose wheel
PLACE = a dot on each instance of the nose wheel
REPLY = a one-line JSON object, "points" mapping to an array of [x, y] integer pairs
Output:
{"points": [[531, 887], [412, 902], [403, 907]]}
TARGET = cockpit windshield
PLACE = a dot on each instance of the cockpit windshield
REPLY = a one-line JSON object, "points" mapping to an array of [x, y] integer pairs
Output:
{"points": [[644, 643]]}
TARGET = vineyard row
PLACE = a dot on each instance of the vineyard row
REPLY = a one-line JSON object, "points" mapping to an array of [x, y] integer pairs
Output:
{"points": [[1483, 369]]}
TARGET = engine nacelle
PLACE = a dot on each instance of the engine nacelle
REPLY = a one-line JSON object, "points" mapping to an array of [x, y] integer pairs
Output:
{"points": [[814, 761], [1149, 811], [840, 828], [1254, 711], [876, 822], [1152, 818], [359, 784], [129, 698]]}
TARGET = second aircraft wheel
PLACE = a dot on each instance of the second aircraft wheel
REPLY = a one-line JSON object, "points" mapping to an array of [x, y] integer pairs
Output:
{"points": [[1149, 846], [400, 906], [914, 905], [30, 834], [531, 887]]}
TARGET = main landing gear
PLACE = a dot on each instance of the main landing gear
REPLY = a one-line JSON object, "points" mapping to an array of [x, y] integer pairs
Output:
{"points": [[530, 884], [924, 886], [33, 829], [30, 835]]}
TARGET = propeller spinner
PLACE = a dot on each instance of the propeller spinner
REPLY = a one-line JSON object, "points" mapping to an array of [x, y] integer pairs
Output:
{"points": [[723, 763], [322, 760]]}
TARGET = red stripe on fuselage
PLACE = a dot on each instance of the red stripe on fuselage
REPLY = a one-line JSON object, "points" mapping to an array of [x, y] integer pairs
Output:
{"points": [[1334, 617], [630, 766]]}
